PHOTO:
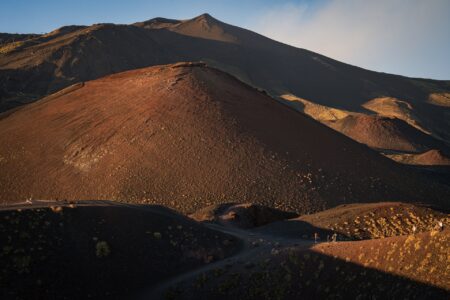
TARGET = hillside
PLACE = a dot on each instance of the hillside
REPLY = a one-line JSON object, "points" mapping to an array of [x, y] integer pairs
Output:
{"points": [[389, 126], [428, 158], [99, 249], [410, 266], [44, 64], [386, 133], [187, 136], [361, 221]]}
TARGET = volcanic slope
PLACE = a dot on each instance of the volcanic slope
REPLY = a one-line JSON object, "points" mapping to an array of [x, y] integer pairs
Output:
{"points": [[400, 267], [44, 64], [361, 221], [390, 129], [188, 136], [386, 133], [429, 158]]}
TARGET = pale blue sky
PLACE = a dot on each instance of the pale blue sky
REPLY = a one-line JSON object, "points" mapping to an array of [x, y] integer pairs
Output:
{"points": [[407, 37]]}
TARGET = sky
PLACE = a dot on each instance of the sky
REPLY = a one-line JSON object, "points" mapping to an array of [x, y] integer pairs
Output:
{"points": [[407, 37]]}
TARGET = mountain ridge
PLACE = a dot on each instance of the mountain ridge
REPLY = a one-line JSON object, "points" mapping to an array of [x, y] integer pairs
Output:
{"points": [[43, 65]]}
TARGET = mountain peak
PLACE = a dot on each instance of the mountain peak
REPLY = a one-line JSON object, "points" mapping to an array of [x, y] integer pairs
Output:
{"points": [[204, 16], [207, 18]]}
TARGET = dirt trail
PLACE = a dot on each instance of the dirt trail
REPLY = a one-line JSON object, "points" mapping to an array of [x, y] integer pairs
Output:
{"points": [[254, 244]]}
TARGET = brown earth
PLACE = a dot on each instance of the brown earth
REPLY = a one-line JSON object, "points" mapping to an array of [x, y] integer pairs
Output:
{"points": [[385, 133], [44, 64], [402, 267], [395, 108], [422, 257], [394, 127], [429, 158], [243, 215], [361, 221], [99, 250], [187, 136]]}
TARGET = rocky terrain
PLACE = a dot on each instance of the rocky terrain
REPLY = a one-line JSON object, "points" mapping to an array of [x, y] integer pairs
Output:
{"points": [[101, 249], [362, 221], [187, 136]]}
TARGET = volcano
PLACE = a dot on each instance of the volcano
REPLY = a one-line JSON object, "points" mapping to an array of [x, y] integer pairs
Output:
{"points": [[186, 136]]}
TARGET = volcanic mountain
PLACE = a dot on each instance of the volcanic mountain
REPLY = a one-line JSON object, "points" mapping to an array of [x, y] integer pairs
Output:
{"points": [[187, 136], [39, 65]]}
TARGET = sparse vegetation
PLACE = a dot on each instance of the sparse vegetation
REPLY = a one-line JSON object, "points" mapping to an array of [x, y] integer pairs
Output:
{"points": [[102, 249], [379, 221], [5, 49], [374, 268], [52, 253]]}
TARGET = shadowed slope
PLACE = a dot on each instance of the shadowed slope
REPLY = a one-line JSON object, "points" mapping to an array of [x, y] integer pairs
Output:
{"points": [[187, 136], [99, 249], [13, 39], [361, 221], [242, 215], [406, 267]]}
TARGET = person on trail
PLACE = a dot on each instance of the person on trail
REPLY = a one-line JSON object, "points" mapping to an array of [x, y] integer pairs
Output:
{"points": [[334, 237], [414, 228], [316, 237], [440, 226]]}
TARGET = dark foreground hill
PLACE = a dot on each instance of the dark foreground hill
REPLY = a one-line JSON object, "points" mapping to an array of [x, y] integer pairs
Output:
{"points": [[107, 250], [187, 136], [99, 249]]}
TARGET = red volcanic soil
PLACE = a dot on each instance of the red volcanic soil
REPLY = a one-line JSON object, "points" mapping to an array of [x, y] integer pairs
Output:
{"points": [[244, 215], [422, 257], [187, 136], [430, 158], [99, 249], [406, 267], [385, 133], [361, 221]]}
